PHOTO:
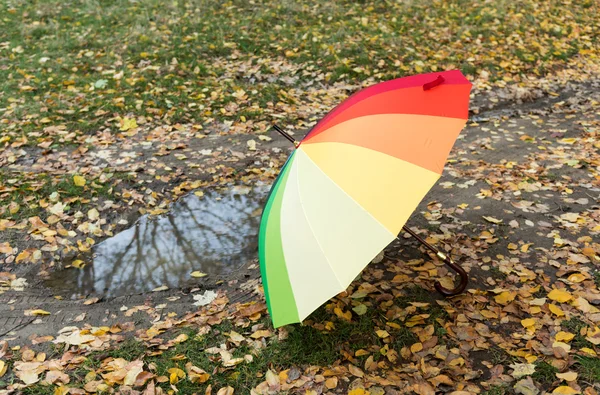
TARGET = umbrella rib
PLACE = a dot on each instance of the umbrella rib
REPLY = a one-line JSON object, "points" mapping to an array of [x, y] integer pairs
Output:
{"points": [[309, 224]]}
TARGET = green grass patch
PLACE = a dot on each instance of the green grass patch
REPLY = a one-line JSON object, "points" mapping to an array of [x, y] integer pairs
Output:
{"points": [[574, 325], [588, 368], [498, 390], [545, 373]]}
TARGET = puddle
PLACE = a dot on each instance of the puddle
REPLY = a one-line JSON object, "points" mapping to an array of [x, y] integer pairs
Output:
{"points": [[214, 234]]}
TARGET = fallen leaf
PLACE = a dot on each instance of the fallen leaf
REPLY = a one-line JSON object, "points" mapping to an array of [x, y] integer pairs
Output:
{"points": [[522, 369], [560, 295], [128, 124], [567, 376], [361, 309], [526, 387], [5, 248], [204, 299], [564, 336], [331, 383], [196, 374], [260, 334], [504, 298], [37, 312], [528, 322], [93, 214], [175, 374], [198, 274], [565, 390], [79, 181], [492, 220], [226, 391], [554, 309], [355, 371]]}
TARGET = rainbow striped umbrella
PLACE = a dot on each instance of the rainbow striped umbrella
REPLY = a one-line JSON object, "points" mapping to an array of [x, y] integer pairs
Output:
{"points": [[351, 184]]}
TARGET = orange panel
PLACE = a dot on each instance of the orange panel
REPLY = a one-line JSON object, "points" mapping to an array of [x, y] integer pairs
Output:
{"points": [[423, 140]]}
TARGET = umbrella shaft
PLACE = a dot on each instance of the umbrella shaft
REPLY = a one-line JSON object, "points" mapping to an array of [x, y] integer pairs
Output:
{"points": [[421, 240], [286, 135]]}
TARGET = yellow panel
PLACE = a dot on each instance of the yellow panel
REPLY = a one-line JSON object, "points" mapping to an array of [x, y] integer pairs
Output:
{"points": [[388, 188]]}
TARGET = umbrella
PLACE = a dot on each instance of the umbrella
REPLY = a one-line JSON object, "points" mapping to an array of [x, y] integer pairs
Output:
{"points": [[350, 185]]}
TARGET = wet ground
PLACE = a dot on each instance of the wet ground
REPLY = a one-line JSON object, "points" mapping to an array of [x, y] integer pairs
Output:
{"points": [[204, 233]]}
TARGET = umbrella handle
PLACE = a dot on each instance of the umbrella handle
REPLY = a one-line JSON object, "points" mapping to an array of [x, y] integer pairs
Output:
{"points": [[464, 277]]}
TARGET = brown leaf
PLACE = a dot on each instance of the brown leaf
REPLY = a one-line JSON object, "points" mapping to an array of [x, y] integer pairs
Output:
{"points": [[225, 391], [331, 383], [423, 388], [355, 371], [526, 387], [253, 309], [441, 379]]}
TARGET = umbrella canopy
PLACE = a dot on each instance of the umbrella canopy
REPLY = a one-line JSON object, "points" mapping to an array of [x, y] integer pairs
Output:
{"points": [[351, 184]]}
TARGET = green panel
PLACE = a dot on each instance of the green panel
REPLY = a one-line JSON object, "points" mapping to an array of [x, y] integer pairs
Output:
{"points": [[276, 283]]}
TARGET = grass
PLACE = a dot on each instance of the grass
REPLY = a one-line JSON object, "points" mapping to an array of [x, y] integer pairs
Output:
{"points": [[498, 390], [27, 192], [70, 70], [588, 368], [305, 346], [545, 373], [574, 325]]}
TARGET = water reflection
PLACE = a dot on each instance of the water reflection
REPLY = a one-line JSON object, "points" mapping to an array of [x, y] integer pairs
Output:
{"points": [[214, 234]]}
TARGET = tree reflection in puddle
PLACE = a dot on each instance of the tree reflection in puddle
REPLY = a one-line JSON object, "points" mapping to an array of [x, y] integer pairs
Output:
{"points": [[214, 234]]}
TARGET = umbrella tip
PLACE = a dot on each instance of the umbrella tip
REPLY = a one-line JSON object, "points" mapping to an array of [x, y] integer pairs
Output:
{"points": [[438, 81]]}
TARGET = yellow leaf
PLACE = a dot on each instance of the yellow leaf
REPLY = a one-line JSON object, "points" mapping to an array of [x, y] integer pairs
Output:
{"points": [[358, 391], [343, 315], [175, 374], [181, 338], [78, 263], [525, 247], [567, 376], [415, 348], [3, 367], [79, 181], [565, 390], [198, 274], [331, 383], [260, 334], [570, 140], [528, 322], [39, 312], [576, 278], [23, 256], [588, 351], [556, 310], [127, 124], [504, 298], [492, 220], [564, 336], [382, 334], [560, 295]]}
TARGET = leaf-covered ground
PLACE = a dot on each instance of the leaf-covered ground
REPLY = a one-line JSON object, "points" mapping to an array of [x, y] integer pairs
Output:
{"points": [[112, 109]]}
